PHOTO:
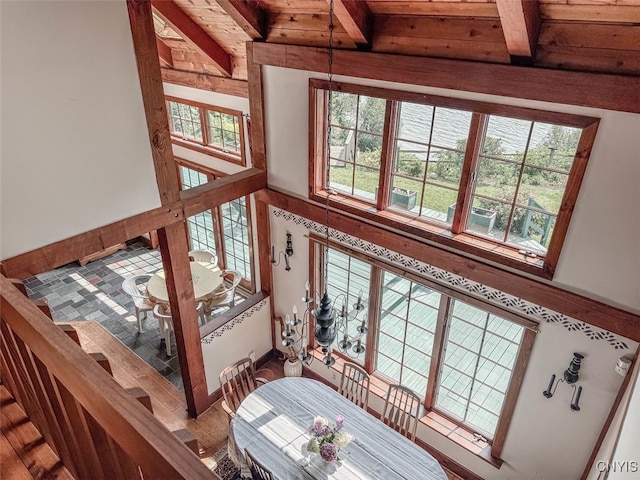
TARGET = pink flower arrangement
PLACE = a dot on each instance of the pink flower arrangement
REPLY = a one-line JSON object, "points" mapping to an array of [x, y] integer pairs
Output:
{"points": [[328, 438]]}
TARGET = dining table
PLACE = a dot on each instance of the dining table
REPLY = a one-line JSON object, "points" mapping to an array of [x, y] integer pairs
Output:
{"points": [[272, 423], [206, 278]]}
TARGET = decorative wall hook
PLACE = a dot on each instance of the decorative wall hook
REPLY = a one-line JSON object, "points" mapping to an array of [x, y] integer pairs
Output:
{"points": [[570, 377]]}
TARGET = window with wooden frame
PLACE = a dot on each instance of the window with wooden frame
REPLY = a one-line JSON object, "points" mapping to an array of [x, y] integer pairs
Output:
{"points": [[225, 230], [464, 357], [213, 130], [496, 181]]}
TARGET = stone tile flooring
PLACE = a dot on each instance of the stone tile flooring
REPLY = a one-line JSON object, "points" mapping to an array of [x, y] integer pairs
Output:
{"points": [[94, 292]]}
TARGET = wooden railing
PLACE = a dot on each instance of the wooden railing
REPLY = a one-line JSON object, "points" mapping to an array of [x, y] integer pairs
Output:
{"points": [[98, 429]]}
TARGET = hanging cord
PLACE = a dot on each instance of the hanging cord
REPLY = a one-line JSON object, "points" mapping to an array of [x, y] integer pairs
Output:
{"points": [[329, 106]]}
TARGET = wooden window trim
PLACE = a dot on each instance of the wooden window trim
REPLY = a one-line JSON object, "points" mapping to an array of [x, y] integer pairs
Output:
{"points": [[453, 236], [247, 284], [205, 146], [495, 445]]}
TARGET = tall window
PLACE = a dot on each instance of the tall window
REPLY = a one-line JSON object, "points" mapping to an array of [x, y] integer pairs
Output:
{"points": [[347, 279], [479, 355], [458, 354], [487, 179], [407, 325], [224, 230], [214, 130]]}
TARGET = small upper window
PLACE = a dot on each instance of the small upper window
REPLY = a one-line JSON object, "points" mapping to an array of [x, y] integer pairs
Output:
{"points": [[213, 130], [496, 181]]}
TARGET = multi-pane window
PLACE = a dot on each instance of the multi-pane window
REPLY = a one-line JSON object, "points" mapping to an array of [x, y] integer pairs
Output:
{"points": [[407, 324], [200, 225], [479, 355], [458, 354], [487, 179], [357, 122], [214, 130], [224, 230], [347, 279], [224, 131], [185, 120], [235, 234]]}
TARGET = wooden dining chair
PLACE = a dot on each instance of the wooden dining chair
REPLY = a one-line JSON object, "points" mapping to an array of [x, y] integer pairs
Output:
{"points": [[237, 381], [401, 410], [354, 384], [258, 471], [136, 287]]}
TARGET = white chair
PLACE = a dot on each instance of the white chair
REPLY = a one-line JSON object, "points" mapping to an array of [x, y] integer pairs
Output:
{"points": [[165, 322], [354, 384], [136, 288], [401, 410], [225, 294], [203, 256]]}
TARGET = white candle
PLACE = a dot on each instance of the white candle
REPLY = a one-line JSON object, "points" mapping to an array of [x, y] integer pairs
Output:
{"points": [[295, 314], [287, 322], [307, 287]]}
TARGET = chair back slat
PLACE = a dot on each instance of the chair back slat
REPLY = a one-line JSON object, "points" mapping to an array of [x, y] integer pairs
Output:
{"points": [[258, 470], [237, 381], [354, 384], [401, 410]]}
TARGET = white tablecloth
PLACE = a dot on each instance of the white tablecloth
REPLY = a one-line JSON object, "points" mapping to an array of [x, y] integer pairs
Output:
{"points": [[206, 278], [272, 423]]}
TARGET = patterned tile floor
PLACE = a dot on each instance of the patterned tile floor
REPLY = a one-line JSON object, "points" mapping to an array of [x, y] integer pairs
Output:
{"points": [[94, 292]]}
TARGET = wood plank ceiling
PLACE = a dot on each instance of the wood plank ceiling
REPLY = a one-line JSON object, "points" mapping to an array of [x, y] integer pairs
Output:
{"points": [[209, 36]]}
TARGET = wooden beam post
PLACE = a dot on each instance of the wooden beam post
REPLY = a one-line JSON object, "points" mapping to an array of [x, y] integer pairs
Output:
{"points": [[256, 111], [194, 34], [172, 238], [521, 26]]}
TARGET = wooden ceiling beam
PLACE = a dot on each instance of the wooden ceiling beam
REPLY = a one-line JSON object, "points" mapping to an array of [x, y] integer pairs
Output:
{"points": [[601, 315], [164, 52], [202, 81], [194, 34], [248, 15], [598, 90], [521, 26], [356, 18]]}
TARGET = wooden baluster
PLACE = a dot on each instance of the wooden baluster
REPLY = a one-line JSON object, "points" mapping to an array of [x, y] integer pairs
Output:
{"points": [[71, 332], [102, 361]]}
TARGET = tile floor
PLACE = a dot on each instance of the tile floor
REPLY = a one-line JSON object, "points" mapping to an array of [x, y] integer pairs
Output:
{"points": [[94, 292]]}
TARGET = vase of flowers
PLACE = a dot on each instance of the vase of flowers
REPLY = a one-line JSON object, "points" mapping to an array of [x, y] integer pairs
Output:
{"points": [[327, 439]]}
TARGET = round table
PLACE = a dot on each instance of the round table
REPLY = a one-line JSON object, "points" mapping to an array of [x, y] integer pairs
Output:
{"points": [[205, 280], [272, 423]]}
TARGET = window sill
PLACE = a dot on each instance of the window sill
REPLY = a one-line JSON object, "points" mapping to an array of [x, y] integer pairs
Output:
{"points": [[461, 436], [219, 320], [464, 242], [198, 147]]}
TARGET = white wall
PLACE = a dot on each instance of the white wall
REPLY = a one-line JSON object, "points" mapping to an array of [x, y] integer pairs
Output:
{"points": [[599, 258], [75, 149], [251, 330], [546, 439]]}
